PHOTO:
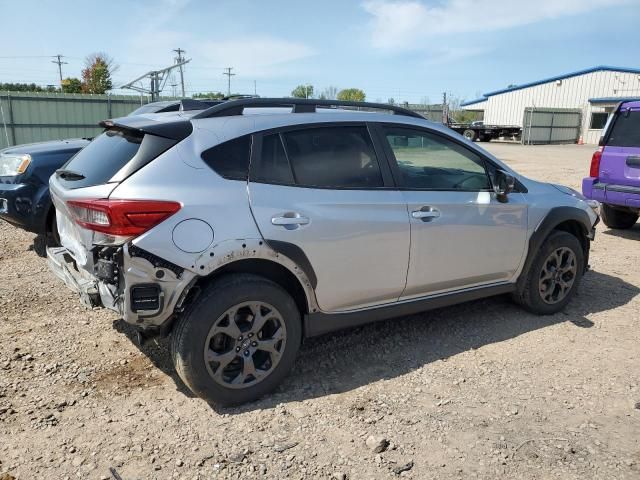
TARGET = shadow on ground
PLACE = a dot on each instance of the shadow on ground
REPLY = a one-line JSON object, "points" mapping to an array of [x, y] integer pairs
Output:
{"points": [[346, 360], [632, 233]]}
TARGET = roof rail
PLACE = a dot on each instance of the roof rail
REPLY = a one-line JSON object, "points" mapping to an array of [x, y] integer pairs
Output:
{"points": [[298, 105]]}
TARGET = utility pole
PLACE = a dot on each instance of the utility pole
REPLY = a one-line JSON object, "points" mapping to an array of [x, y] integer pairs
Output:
{"points": [[229, 75], [255, 88], [59, 62], [180, 60], [445, 108]]}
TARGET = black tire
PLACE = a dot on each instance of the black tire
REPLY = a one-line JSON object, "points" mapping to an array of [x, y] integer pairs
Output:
{"points": [[190, 338], [530, 294], [469, 134], [617, 218], [50, 238]]}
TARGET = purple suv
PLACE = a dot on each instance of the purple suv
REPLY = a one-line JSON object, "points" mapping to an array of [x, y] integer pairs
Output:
{"points": [[614, 177]]}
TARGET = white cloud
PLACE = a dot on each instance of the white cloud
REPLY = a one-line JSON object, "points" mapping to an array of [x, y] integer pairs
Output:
{"points": [[406, 24]]}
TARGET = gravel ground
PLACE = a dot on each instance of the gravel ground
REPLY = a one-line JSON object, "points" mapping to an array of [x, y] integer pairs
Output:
{"points": [[480, 390]]}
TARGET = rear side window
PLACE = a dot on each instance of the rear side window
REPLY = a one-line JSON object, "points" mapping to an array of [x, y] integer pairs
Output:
{"points": [[273, 166], [230, 159], [333, 157], [626, 130], [99, 161]]}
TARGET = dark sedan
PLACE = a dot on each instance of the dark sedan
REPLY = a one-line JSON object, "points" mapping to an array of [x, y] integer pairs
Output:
{"points": [[24, 186]]}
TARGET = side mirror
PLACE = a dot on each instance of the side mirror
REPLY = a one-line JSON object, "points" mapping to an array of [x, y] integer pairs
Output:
{"points": [[504, 185]]}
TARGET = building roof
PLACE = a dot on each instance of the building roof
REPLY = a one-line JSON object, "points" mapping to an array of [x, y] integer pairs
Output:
{"points": [[613, 99], [599, 68]]}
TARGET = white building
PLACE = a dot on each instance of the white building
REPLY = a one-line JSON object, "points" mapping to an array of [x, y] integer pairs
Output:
{"points": [[592, 92]]}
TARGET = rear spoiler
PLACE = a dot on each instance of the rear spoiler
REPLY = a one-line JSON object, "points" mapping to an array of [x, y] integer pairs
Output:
{"points": [[175, 130]]}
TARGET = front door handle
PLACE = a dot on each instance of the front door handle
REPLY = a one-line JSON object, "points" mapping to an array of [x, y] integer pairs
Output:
{"points": [[290, 220], [426, 214]]}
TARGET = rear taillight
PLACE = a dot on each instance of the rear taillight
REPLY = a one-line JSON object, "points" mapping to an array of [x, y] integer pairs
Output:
{"points": [[121, 217], [594, 171]]}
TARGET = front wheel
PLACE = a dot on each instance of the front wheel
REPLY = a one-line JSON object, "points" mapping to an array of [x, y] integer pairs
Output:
{"points": [[554, 275], [618, 218], [238, 340]]}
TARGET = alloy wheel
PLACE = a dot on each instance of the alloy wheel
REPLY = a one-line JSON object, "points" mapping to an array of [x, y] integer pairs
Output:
{"points": [[558, 275], [245, 344]]}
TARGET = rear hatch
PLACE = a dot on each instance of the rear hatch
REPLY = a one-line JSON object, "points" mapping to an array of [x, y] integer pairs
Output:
{"points": [[620, 161], [81, 188]]}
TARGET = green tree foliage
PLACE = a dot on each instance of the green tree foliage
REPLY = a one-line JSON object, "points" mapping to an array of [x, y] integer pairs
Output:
{"points": [[214, 95], [302, 91], [351, 95], [71, 85], [26, 87], [96, 76]]}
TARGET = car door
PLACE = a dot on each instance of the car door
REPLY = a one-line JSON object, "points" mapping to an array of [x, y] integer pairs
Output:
{"points": [[461, 235], [321, 193]]}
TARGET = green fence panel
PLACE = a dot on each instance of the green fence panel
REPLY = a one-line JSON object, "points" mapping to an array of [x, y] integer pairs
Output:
{"points": [[37, 117]]}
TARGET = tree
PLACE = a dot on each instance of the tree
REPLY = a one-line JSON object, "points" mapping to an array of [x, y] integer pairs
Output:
{"points": [[71, 85], [96, 75], [22, 87], [302, 91], [214, 95], [351, 95], [391, 101]]}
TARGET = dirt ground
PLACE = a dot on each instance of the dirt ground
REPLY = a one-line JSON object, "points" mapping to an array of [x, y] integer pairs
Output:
{"points": [[480, 390]]}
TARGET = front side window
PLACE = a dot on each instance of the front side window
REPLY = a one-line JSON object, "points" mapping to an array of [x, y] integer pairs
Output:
{"points": [[333, 157], [430, 162]]}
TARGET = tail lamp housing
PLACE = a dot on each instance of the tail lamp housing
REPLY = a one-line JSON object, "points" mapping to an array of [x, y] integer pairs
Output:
{"points": [[594, 171], [127, 218]]}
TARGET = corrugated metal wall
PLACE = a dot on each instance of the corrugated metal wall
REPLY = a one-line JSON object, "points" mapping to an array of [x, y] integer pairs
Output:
{"points": [[36, 117], [508, 108]]}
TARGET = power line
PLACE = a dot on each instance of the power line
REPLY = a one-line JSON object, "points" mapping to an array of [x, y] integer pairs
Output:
{"points": [[229, 75], [180, 60], [59, 62]]}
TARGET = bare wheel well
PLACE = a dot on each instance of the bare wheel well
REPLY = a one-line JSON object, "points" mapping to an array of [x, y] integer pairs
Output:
{"points": [[270, 270], [576, 229]]}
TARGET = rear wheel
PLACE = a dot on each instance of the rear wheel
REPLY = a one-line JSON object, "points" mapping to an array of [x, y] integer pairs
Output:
{"points": [[469, 134], [618, 218], [554, 275], [238, 340]]}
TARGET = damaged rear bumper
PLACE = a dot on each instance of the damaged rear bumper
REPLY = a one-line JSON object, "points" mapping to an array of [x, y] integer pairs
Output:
{"points": [[147, 293], [64, 267]]}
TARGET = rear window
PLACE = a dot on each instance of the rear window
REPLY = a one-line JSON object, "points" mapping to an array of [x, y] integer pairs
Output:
{"points": [[99, 161], [230, 159], [626, 130]]}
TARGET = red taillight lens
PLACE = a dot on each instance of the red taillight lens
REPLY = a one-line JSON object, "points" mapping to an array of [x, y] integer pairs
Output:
{"points": [[121, 217], [594, 171]]}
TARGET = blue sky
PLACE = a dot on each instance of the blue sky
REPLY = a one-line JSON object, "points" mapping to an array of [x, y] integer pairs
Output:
{"points": [[408, 50]]}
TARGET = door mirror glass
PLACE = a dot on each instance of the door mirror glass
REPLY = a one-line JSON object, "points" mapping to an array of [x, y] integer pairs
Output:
{"points": [[504, 184]]}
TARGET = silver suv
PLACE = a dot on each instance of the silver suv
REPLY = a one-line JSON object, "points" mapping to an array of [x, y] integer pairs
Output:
{"points": [[241, 229]]}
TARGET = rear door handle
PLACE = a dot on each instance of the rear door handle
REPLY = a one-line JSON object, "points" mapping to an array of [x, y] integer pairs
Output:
{"points": [[290, 220], [426, 214]]}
